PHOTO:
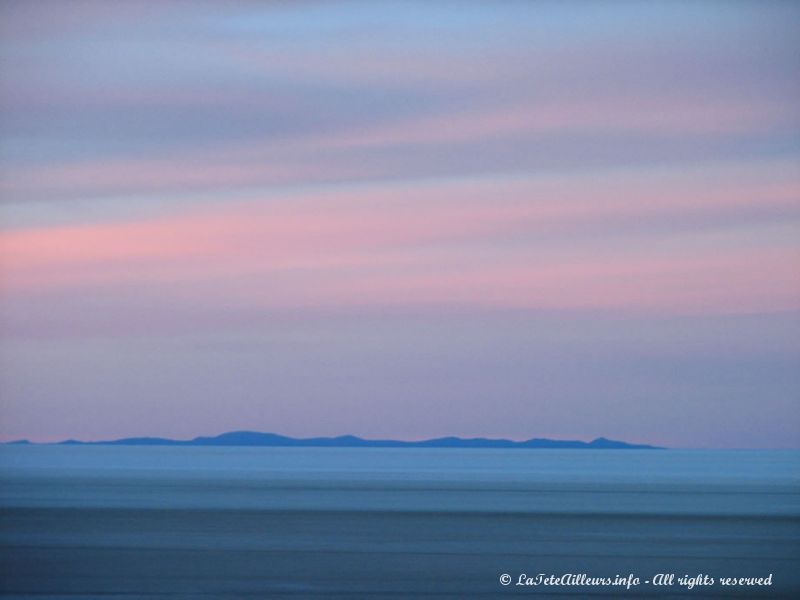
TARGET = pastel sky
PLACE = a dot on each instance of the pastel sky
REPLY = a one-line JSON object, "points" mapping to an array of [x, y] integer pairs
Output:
{"points": [[405, 220]]}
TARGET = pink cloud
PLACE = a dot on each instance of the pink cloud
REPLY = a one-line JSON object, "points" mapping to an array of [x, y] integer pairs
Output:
{"points": [[304, 160], [656, 116], [519, 242]]}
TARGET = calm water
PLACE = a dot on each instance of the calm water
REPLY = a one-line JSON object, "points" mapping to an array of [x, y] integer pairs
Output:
{"points": [[181, 523]]}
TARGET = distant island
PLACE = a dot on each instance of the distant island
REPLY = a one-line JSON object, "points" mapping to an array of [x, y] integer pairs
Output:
{"points": [[254, 438]]}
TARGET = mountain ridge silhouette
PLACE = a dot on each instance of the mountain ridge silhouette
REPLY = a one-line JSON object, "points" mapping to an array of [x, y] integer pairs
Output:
{"points": [[257, 438]]}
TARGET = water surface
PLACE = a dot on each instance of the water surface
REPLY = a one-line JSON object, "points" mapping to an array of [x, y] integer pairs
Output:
{"points": [[228, 522]]}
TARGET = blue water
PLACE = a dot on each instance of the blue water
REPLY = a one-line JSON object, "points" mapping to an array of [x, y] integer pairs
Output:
{"points": [[226, 522]]}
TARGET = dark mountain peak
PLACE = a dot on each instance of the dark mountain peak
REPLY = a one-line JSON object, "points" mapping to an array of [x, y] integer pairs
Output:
{"points": [[241, 438], [602, 443]]}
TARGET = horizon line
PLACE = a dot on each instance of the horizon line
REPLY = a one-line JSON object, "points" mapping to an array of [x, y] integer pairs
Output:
{"points": [[342, 438], [407, 443]]}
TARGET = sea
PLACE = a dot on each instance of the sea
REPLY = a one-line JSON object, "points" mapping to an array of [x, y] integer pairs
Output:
{"points": [[180, 523]]}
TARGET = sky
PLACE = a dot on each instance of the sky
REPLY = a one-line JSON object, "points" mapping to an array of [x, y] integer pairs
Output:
{"points": [[401, 220]]}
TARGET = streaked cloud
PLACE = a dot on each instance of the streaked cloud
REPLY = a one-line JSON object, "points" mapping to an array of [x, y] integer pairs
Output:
{"points": [[395, 205], [546, 241]]}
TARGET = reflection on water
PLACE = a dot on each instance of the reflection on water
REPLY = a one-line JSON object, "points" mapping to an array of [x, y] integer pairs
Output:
{"points": [[308, 522]]}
